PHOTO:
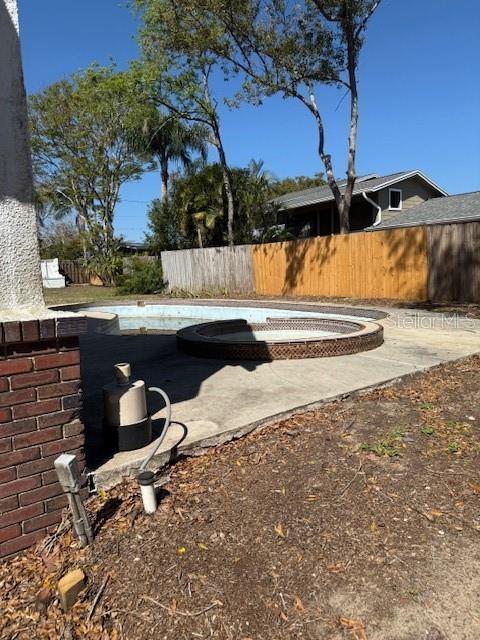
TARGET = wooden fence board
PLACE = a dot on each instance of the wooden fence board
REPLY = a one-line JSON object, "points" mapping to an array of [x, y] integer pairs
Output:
{"points": [[382, 264], [212, 269], [454, 262], [74, 271], [438, 262]]}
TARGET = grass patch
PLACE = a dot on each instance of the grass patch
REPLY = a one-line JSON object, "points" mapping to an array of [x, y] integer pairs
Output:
{"points": [[427, 430], [391, 446]]}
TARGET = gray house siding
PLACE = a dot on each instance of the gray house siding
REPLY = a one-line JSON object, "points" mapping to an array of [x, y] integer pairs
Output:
{"points": [[414, 192]]}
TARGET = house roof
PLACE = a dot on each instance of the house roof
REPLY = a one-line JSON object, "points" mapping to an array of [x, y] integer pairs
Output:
{"points": [[134, 246], [368, 184], [464, 207]]}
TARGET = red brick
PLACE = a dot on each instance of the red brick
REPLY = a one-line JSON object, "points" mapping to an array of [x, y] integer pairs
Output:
{"points": [[11, 367], [57, 360], [5, 415], [73, 429], [72, 402], [46, 520], [37, 495], [18, 486], [62, 446], [7, 504], [22, 349], [7, 475], [18, 515], [17, 397], [37, 466], [61, 417], [5, 444], [10, 532], [11, 332], [37, 437], [34, 379], [56, 503], [30, 331], [23, 542], [70, 373], [3, 384], [20, 426], [17, 457], [59, 389], [36, 408], [49, 476], [47, 329]]}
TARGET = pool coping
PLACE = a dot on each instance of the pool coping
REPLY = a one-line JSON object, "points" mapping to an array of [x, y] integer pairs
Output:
{"points": [[371, 313]]}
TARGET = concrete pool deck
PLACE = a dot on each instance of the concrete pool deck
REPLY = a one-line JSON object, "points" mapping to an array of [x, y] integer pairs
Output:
{"points": [[215, 401]]}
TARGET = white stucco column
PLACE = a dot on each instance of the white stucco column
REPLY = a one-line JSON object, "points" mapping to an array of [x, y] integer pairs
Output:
{"points": [[20, 278]]}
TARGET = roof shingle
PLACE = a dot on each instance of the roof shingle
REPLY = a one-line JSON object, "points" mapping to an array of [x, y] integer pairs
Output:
{"points": [[462, 207]]}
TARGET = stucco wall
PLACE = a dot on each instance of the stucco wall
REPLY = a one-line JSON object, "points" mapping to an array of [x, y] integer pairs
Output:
{"points": [[20, 279]]}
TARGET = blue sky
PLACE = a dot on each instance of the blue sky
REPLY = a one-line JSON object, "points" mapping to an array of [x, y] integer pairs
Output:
{"points": [[419, 94]]}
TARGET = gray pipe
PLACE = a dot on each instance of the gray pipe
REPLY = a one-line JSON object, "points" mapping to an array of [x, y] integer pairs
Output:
{"points": [[161, 437]]}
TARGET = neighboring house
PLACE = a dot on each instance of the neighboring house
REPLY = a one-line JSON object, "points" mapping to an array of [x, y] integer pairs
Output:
{"points": [[464, 207], [313, 212], [128, 247]]}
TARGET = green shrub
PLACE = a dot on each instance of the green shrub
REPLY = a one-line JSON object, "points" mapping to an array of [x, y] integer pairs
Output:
{"points": [[141, 276]]}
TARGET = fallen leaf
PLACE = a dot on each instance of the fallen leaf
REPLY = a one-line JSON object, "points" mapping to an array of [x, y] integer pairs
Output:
{"points": [[356, 628], [202, 546], [279, 531], [298, 604], [181, 550]]}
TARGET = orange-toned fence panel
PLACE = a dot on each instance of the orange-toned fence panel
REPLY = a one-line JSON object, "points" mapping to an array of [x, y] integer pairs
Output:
{"points": [[382, 264]]}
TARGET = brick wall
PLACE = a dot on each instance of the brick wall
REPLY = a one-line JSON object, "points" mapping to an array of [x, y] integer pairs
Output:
{"points": [[40, 401]]}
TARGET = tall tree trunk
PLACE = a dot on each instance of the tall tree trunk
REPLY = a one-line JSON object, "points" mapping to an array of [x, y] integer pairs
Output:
{"points": [[227, 183], [343, 211], [164, 177], [348, 27], [200, 239], [217, 142]]}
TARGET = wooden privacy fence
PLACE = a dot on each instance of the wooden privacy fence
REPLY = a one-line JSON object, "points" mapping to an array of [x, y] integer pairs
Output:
{"points": [[385, 264], [454, 262], [435, 262], [212, 269], [74, 271]]}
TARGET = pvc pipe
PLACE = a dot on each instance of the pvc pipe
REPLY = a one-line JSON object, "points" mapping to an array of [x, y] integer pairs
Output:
{"points": [[147, 478], [149, 497]]}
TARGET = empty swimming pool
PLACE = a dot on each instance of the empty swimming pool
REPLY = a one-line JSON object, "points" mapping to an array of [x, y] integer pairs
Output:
{"points": [[249, 329]]}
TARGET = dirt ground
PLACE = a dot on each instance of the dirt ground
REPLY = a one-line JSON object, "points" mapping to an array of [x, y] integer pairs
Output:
{"points": [[359, 521]]}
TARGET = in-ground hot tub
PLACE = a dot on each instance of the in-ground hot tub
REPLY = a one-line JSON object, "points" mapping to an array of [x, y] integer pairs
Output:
{"points": [[279, 338]]}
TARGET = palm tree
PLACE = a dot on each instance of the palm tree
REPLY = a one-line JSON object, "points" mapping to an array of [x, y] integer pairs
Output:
{"points": [[166, 139]]}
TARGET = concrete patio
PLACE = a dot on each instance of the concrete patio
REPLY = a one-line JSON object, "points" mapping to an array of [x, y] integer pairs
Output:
{"points": [[215, 401]]}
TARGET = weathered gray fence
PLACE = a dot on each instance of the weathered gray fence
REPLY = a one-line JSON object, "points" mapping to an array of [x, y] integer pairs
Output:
{"points": [[454, 262], [213, 269], [74, 271]]}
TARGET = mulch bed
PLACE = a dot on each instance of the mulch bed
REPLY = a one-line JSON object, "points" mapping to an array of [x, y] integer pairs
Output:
{"points": [[357, 521]]}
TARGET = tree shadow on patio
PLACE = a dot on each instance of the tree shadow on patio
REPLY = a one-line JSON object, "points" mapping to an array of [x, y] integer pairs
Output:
{"points": [[153, 358]]}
